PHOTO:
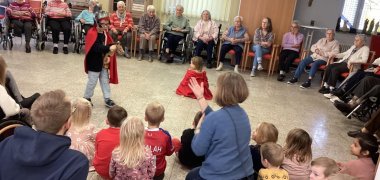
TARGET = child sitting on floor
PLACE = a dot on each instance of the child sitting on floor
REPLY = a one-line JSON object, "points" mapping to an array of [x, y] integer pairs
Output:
{"points": [[132, 160], [323, 168], [365, 147], [82, 133], [107, 139], [158, 140], [298, 154], [185, 154], [196, 71], [272, 156], [265, 132]]}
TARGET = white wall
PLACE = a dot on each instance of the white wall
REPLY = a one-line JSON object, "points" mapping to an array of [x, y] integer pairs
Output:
{"points": [[325, 13]]}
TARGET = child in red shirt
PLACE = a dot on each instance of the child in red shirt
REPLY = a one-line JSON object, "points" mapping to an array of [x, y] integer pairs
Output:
{"points": [[157, 139], [107, 139]]}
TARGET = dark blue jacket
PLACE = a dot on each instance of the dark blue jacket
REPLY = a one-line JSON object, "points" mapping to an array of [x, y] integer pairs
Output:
{"points": [[31, 154]]}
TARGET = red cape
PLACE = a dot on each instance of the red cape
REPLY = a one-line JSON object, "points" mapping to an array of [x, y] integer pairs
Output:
{"points": [[183, 88], [91, 36]]}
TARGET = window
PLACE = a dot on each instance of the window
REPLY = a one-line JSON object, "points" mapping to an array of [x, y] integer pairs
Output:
{"points": [[219, 9], [357, 11]]}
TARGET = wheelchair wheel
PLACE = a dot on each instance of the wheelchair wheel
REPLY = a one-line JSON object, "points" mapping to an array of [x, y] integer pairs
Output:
{"points": [[5, 44], [40, 46], [7, 127]]}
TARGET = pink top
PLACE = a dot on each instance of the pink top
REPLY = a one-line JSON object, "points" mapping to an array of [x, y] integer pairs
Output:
{"points": [[83, 141], [362, 168], [57, 9], [296, 170], [145, 170]]}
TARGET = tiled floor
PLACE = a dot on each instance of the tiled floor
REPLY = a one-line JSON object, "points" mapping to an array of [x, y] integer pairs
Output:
{"points": [[287, 106]]}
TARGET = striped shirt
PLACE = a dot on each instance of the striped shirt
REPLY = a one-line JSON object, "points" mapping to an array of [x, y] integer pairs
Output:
{"points": [[57, 9], [21, 11], [121, 23]]}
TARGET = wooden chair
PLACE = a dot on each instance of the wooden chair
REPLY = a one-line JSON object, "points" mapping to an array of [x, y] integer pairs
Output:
{"points": [[232, 53], [271, 56], [136, 37]]}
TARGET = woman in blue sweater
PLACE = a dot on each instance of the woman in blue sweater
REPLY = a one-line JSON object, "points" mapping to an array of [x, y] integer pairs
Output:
{"points": [[223, 136]]}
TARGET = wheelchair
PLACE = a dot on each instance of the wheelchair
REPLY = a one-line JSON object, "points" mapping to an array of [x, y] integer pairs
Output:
{"points": [[364, 110], [7, 127], [184, 48], [5, 37]]}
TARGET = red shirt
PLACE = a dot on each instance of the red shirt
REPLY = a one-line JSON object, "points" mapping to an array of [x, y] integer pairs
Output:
{"points": [[119, 25], [106, 140], [160, 143]]}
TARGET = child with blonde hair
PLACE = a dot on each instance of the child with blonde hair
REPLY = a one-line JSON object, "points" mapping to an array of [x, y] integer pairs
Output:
{"points": [[298, 154], [264, 132], [272, 156], [131, 159], [196, 71], [158, 140], [323, 168], [365, 147], [82, 133]]}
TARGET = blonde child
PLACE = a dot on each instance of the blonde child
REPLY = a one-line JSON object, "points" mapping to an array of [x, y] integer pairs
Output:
{"points": [[131, 159], [323, 168], [82, 132], [196, 71], [264, 132], [272, 156], [364, 147], [158, 140], [298, 154]]}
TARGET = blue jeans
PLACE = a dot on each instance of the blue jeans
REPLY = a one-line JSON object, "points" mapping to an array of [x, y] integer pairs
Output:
{"points": [[314, 67], [104, 83], [259, 51]]}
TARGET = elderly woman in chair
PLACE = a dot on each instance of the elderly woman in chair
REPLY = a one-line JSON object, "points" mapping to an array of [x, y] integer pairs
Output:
{"points": [[122, 24], [356, 55], [234, 38], [149, 28]]}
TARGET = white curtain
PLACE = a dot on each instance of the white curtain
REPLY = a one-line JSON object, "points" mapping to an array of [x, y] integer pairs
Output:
{"points": [[219, 9]]}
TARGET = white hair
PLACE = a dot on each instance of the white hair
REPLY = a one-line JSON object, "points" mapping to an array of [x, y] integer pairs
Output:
{"points": [[331, 29], [296, 22], [179, 6], [240, 17], [91, 2], [120, 3], [150, 8], [362, 37]]}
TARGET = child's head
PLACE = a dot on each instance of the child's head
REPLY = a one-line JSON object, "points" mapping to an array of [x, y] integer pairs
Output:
{"points": [[265, 132], [298, 145], [154, 113], [196, 63], [81, 112], [116, 115], [322, 168], [197, 117], [131, 149], [365, 145], [271, 154]]}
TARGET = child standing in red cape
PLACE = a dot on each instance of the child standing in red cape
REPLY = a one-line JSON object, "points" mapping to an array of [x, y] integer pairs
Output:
{"points": [[98, 44], [196, 71]]}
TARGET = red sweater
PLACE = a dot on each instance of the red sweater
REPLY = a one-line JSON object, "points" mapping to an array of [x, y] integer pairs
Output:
{"points": [[57, 9], [118, 25], [160, 143], [184, 89], [106, 140], [24, 8]]}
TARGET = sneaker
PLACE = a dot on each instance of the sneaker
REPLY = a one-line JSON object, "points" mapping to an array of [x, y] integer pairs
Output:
{"points": [[253, 73], [324, 90], [140, 57], [260, 67], [281, 77], [293, 80], [236, 69], [55, 50], [109, 103], [354, 133], [27, 48], [220, 67], [306, 84], [335, 98], [343, 107], [338, 92], [126, 54], [65, 50], [329, 95], [89, 99]]}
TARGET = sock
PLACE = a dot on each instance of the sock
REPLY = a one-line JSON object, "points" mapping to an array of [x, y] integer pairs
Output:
{"points": [[64, 45], [325, 85], [332, 88], [282, 72], [55, 45]]}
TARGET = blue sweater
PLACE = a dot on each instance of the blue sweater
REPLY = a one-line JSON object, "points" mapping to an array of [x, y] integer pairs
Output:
{"points": [[87, 16], [217, 141], [36, 155]]}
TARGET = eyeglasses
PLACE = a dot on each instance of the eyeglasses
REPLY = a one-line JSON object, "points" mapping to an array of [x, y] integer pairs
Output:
{"points": [[104, 24]]}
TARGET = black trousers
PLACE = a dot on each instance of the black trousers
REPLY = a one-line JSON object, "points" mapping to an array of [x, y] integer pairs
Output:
{"points": [[126, 38], [356, 78], [287, 58], [173, 41], [227, 47], [20, 26], [60, 24], [209, 47], [333, 72], [369, 86]]}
